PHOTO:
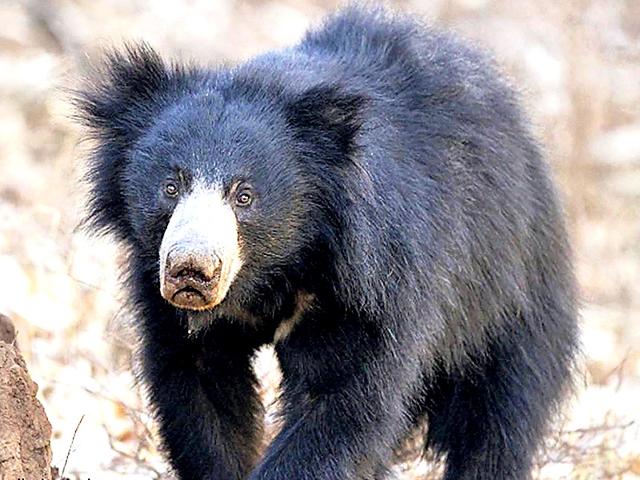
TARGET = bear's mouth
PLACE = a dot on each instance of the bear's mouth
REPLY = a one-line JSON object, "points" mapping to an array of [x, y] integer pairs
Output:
{"points": [[188, 294], [191, 294]]}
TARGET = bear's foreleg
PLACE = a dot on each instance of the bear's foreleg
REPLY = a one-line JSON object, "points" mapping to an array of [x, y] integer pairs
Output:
{"points": [[345, 386], [202, 391]]}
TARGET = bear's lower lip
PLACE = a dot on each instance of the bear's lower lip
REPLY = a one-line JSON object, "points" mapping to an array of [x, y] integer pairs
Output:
{"points": [[189, 297]]}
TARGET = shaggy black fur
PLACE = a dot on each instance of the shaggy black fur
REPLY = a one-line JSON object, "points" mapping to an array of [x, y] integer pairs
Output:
{"points": [[400, 186]]}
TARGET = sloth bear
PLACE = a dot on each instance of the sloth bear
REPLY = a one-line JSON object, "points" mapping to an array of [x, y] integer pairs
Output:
{"points": [[372, 202]]}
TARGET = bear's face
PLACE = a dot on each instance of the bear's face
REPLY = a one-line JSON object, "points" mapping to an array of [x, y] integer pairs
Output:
{"points": [[228, 186], [214, 189]]}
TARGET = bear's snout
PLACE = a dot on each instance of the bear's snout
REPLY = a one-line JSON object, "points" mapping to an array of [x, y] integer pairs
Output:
{"points": [[199, 256], [191, 279]]}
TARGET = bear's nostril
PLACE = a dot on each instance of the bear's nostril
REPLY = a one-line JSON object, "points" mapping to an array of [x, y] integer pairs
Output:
{"points": [[196, 274], [200, 267]]}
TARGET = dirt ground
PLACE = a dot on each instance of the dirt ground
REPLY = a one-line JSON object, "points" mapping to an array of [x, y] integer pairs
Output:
{"points": [[578, 65]]}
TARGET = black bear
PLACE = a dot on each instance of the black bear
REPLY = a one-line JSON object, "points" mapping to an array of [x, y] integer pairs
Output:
{"points": [[372, 202]]}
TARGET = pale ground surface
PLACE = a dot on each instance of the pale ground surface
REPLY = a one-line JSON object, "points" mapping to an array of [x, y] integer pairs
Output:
{"points": [[579, 66]]}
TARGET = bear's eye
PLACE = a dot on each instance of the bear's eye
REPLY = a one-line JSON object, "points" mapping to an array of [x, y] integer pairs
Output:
{"points": [[244, 198], [171, 189]]}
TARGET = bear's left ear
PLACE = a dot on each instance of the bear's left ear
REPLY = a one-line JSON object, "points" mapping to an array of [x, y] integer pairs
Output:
{"points": [[329, 118]]}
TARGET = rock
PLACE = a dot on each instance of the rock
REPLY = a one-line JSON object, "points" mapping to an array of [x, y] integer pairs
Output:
{"points": [[7, 330], [25, 431]]}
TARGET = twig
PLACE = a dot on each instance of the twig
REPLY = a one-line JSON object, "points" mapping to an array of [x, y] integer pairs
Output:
{"points": [[599, 428], [71, 446]]}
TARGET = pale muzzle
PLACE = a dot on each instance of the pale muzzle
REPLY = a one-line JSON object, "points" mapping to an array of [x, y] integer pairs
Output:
{"points": [[199, 254]]}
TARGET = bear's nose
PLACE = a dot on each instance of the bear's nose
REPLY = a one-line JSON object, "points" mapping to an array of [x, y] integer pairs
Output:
{"points": [[191, 278]]}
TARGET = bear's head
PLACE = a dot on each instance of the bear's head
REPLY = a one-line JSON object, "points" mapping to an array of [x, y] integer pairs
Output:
{"points": [[227, 183]]}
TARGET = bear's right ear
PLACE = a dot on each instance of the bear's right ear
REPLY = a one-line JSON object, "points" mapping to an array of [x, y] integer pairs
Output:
{"points": [[328, 117], [119, 102]]}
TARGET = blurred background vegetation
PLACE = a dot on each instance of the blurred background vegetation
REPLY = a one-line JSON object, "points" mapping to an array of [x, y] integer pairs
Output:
{"points": [[577, 63]]}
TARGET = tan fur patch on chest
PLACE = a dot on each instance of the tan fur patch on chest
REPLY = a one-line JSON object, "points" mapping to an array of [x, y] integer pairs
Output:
{"points": [[304, 301]]}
